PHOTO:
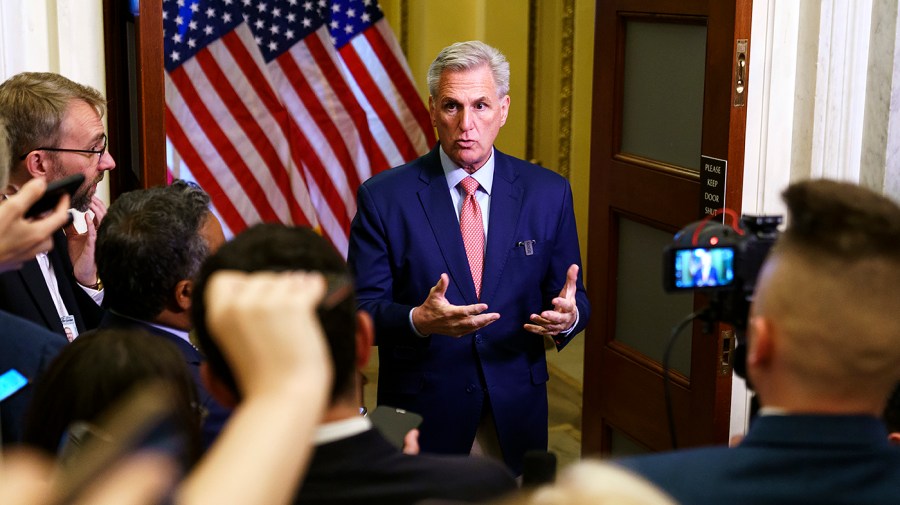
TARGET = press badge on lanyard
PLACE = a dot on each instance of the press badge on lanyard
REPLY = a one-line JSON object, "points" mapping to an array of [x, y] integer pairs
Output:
{"points": [[68, 322]]}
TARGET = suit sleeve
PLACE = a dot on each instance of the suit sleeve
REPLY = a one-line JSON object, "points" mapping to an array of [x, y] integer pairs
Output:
{"points": [[565, 253], [369, 257]]}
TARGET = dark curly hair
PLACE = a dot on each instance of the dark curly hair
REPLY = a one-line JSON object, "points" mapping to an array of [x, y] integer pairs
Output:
{"points": [[148, 242]]}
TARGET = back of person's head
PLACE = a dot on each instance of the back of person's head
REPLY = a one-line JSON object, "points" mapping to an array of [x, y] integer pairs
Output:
{"points": [[463, 56], [280, 248], [830, 286], [97, 370], [149, 241], [592, 482], [33, 105], [891, 415]]}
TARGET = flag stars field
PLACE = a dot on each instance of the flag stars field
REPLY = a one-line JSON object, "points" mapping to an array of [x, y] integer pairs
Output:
{"points": [[281, 108]]}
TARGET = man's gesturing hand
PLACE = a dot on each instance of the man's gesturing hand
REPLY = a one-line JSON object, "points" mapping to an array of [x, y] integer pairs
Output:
{"points": [[564, 313], [437, 315], [23, 238]]}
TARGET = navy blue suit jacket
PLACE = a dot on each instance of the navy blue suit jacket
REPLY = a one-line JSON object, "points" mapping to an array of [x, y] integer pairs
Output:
{"points": [[29, 349], [367, 469], [785, 459], [405, 234], [216, 414], [24, 292]]}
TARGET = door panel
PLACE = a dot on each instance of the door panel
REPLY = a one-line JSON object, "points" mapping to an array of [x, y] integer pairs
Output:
{"points": [[638, 286], [662, 97], [662, 102]]}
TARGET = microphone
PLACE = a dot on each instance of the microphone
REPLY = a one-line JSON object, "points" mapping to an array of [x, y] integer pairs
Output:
{"points": [[539, 468]]}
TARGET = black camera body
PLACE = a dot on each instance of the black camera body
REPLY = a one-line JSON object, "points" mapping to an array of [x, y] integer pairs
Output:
{"points": [[723, 261]]}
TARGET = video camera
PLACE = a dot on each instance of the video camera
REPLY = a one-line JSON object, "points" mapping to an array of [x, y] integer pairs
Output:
{"points": [[723, 261]]}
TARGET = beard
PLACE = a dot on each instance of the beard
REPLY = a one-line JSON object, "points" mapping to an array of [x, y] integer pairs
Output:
{"points": [[81, 200]]}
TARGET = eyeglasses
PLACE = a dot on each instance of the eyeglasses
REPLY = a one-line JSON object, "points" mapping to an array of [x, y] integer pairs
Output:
{"points": [[98, 152]]}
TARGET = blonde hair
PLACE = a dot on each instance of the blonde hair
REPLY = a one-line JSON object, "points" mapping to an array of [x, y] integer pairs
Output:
{"points": [[33, 105]]}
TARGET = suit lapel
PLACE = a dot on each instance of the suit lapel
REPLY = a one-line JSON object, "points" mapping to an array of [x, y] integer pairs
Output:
{"points": [[438, 208], [506, 206], [36, 287], [65, 279], [66, 289]]}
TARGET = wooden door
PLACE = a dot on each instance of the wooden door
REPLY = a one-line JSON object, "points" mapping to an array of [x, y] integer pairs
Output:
{"points": [[664, 95]]}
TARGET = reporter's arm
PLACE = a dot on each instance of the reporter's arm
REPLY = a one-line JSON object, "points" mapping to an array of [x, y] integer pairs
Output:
{"points": [[24, 238], [284, 379]]}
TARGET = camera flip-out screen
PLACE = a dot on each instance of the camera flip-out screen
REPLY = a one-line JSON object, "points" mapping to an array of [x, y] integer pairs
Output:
{"points": [[703, 267]]}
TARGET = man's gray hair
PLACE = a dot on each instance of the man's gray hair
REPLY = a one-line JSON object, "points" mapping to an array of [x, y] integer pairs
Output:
{"points": [[467, 56]]}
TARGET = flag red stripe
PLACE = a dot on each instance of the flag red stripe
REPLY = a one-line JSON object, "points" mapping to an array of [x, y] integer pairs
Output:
{"points": [[267, 95], [323, 181], [247, 122], [335, 79], [201, 172], [227, 151], [384, 111], [310, 155], [320, 116], [404, 86]]}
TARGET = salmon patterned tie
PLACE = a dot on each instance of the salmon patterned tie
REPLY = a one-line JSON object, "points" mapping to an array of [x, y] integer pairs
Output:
{"points": [[472, 228]]}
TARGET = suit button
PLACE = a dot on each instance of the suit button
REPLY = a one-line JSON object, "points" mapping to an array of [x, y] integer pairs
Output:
{"points": [[478, 338], [471, 388]]}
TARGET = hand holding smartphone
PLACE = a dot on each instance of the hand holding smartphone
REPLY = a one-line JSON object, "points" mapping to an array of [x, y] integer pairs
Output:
{"points": [[394, 423]]}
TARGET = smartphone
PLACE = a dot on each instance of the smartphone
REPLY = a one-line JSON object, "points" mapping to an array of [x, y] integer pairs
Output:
{"points": [[11, 381], [394, 423], [55, 190], [143, 420]]}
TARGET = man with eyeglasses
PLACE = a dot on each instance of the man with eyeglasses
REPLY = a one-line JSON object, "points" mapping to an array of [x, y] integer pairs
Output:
{"points": [[55, 131]]}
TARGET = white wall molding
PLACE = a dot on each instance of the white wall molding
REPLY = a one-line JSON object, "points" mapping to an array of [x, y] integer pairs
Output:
{"points": [[880, 160], [771, 98], [823, 101], [842, 70]]}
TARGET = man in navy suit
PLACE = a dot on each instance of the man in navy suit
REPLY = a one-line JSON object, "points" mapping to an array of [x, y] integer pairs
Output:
{"points": [[150, 247], [28, 349], [464, 284], [822, 356]]}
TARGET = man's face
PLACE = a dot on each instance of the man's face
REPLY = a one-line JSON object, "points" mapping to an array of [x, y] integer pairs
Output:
{"points": [[468, 115], [211, 231], [81, 128]]}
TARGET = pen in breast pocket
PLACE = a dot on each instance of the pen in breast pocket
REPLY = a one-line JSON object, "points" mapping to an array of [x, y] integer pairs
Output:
{"points": [[529, 246]]}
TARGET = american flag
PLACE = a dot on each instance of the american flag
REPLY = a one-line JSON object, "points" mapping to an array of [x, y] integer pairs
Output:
{"points": [[280, 109]]}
